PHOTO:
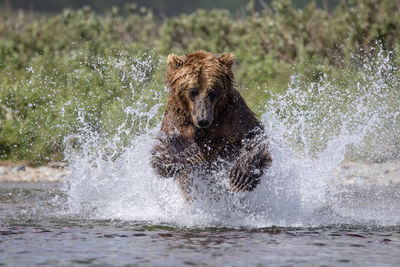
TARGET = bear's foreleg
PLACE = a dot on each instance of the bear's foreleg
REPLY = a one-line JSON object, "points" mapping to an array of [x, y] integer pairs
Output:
{"points": [[185, 183], [172, 155], [248, 168]]}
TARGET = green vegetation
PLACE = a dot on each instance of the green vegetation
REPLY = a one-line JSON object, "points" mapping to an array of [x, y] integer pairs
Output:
{"points": [[56, 69]]}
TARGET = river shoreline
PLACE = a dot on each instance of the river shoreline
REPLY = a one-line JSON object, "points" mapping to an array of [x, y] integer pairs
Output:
{"points": [[21, 172], [354, 173]]}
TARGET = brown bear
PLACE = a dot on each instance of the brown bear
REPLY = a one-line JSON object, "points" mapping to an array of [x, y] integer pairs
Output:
{"points": [[207, 119]]}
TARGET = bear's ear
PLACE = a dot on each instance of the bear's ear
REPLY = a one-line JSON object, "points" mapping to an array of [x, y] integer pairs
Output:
{"points": [[174, 61], [227, 59]]}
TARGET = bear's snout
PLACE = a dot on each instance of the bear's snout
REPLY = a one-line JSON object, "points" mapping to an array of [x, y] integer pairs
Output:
{"points": [[202, 113]]}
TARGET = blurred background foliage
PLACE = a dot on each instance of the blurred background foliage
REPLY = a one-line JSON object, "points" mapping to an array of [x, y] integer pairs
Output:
{"points": [[161, 8], [96, 61]]}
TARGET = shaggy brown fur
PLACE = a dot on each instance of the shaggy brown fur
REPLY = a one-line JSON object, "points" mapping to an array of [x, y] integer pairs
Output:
{"points": [[206, 118]]}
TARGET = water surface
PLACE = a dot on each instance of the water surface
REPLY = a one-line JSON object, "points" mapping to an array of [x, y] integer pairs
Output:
{"points": [[35, 231]]}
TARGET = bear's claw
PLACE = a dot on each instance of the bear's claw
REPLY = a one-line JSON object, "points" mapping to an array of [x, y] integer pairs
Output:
{"points": [[243, 179], [192, 155]]}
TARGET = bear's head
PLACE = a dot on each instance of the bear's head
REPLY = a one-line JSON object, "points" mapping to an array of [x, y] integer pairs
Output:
{"points": [[200, 84]]}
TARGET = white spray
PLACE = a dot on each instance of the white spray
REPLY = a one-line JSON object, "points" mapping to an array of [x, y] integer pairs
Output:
{"points": [[312, 128]]}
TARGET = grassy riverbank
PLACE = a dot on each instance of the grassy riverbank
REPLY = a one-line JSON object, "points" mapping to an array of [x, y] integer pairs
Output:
{"points": [[58, 70]]}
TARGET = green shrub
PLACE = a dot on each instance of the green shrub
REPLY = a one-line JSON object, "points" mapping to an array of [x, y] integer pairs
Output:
{"points": [[55, 69]]}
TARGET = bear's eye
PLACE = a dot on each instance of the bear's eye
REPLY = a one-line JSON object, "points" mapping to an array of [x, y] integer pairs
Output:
{"points": [[192, 93], [212, 95]]}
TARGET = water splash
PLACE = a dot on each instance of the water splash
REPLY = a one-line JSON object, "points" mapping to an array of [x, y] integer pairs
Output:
{"points": [[312, 127]]}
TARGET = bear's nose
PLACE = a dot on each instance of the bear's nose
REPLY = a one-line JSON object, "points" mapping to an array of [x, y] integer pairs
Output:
{"points": [[203, 123]]}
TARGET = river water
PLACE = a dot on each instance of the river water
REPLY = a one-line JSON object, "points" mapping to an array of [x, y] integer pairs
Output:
{"points": [[37, 232]]}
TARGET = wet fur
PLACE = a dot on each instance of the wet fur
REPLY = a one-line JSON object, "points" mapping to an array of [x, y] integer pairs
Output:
{"points": [[182, 145]]}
